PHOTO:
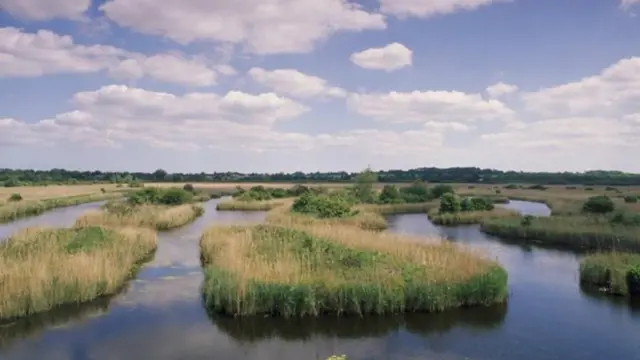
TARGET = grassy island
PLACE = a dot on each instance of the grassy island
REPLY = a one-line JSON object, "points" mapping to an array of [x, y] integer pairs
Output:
{"points": [[616, 273]]}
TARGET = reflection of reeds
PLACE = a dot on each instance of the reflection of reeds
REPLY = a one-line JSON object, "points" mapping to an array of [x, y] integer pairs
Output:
{"points": [[43, 268], [151, 216], [309, 268]]}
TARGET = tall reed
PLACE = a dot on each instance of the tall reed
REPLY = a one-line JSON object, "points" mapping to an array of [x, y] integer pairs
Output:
{"points": [[618, 273], [470, 217], [317, 268], [44, 268], [236, 205], [151, 216], [15, 210]]}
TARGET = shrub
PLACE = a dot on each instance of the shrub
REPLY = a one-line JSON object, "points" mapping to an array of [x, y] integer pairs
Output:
{"points": [[189, 188], [588, 189], [363, 189], [390, 195], [537, 187], [526, 221], [154, 195], [571, 187], [601, 204], [297, 190], [417, 192], [449, 203], [626, 219], [103, 190], [610, 188], [476, 204], [175, 196], [440, 190], [11, 183], [15, 197], [631, 199], [511, 186], [322, 206], [498, 192]]}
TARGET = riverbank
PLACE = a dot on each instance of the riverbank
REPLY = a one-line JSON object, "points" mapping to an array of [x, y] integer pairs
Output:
{"points": [[44, 268], [615, 273], [317, 269], [470, 217]]}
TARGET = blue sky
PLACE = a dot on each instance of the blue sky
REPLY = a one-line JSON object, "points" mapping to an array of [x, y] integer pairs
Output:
{"points": [[282, 85]]}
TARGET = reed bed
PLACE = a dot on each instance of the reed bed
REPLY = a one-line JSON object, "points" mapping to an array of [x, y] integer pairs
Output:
{"points": [[236, 205], [618, 273], [151, 216], [313, 268], [15, 210], [399, 209], [363, 219], [470, 217], [573, 232], [44, 268]]}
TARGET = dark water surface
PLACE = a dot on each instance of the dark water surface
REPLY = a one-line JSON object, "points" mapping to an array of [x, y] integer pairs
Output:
{"points": [[160, 315]]}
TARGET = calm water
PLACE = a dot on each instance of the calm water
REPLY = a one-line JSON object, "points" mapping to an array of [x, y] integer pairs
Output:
{"points": [[160, 316]]}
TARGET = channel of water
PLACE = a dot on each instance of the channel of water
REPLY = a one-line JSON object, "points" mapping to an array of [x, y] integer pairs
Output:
{"points": [[160, 316]]}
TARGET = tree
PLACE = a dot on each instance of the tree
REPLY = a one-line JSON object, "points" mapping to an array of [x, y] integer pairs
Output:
{"points": [[159, 175], [440, 190], [390, 195], [600, 204], [363, 189], [449, 203]]}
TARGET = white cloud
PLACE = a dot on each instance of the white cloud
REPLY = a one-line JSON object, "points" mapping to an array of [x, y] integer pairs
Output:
{"points": [[428, 106], [500, 89], [44, 52], [391, 57], [428, 8], [294, 83], [262, 26], [614, 92], [625, 4], [45, 9]]}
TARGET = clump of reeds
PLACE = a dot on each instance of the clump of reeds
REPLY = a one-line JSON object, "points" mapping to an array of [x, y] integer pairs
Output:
{"points": [[43, 268], [237, 205], [363, 219], [15, 210], [158, 217], [397, 209], [575, 232], [313, 268], [470, 217], [618, 273]]}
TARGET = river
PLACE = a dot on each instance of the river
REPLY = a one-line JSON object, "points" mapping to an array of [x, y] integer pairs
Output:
{"points": [[160, 315]]}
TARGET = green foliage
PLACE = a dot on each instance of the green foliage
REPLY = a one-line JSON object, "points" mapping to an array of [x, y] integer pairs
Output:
{"points": [[449, 203], [617, 272], [260, 193], [15, 197], [391, 195], [588, 189], [322, 206], [417, 192], [625, 218], [600, 204], [511, 186], [537, 187], [440, 190], [159, 196], [363, 188], [12, 182], [189, 188], [526, 221], [631, 199], [476, 204], [86, 239], [297, 190], [571, 187]]}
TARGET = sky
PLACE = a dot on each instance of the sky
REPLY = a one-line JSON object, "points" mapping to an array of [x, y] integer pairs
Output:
{"points": [[319, 85]]}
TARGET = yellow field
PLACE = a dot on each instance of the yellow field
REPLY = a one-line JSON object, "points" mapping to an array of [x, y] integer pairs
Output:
{"points": [[54, 191]]}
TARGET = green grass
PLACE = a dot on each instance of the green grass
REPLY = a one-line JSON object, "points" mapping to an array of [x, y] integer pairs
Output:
{"points": [[618, 273], [44, 268], [291, 272], [16, 210], [399, 209], [470, 217], [573, 232], [236, 205]]}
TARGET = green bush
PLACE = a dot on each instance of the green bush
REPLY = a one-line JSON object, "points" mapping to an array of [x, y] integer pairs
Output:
{"points": [[588, 189], [12, 183], [417, 192], [600, 204], [449, 203], [476, 204], [322, 206], [537, 187], [154, 195], [440, 190], [571, 187], [511, 186], [631, 199], [625, 219], [526, 221], [297, 190], [189, 188], [15, 197], [391, 195]]}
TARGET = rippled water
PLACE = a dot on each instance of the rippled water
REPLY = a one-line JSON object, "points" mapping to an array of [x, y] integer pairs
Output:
{"points": [[160, 315]]}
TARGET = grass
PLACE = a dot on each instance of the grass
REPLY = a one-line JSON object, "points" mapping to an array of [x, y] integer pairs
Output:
{"points": [[364, 218], [29, 193], [151, 216], [470, 217], [574, 232], [44, 268], [15, 210], [301, 267], [398, 209], [236, 205], [618, 273]]}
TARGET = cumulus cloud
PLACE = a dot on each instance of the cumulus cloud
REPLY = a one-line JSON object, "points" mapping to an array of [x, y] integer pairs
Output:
{"points": [[25, 54], [500, 89], [262, 26], [294, 83], [45, 9], [614, 92], [428, 106], [424, 9], [391, 57]]}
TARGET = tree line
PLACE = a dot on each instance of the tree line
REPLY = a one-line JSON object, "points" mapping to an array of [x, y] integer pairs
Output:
{"points": [[18, 177]]}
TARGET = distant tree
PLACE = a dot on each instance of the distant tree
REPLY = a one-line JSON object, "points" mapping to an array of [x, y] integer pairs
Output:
{"points": [[159, 175], [363, 188], [600, 204], [390, 195], [450, 203]]}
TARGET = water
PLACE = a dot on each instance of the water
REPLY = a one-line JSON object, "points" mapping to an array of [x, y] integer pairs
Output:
{"points": [[160, 315]]}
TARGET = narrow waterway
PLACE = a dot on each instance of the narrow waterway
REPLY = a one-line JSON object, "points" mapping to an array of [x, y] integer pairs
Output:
{"points": [[160, 315]]}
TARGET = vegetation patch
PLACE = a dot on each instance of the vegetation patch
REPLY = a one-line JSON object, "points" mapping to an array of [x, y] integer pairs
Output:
{"points": [[617, 273], [44, 268], [18, 209], [470, 217], [160, 196], [318, 269], [236, 205], [158, 217]]}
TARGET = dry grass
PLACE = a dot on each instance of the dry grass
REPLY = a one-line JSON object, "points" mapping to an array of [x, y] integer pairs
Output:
{"points": [[302, 267], [396, 209], [266, 205], [55, 191], [43, 268], [150, 216]]}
